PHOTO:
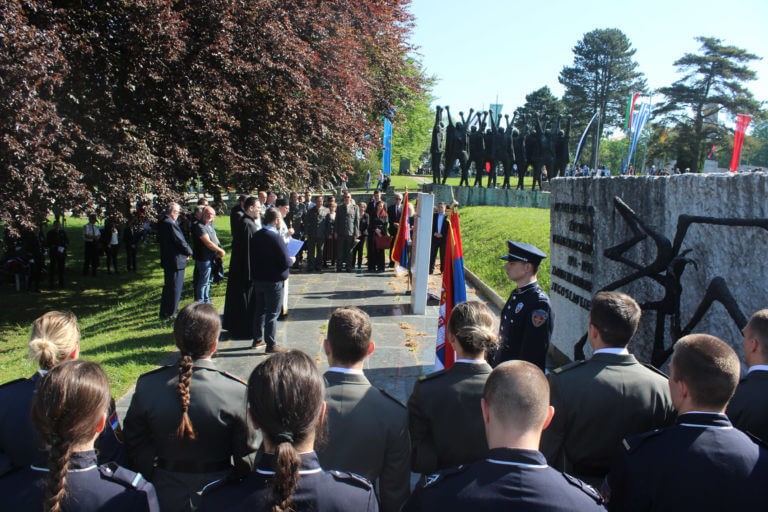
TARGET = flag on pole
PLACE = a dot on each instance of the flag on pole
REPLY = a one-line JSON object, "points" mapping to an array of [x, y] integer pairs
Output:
{"points": [[386, 154], [742, 121], [630, 109], [638, 122], [711, 155], [402, 241], [452, 292], [583, 135]]}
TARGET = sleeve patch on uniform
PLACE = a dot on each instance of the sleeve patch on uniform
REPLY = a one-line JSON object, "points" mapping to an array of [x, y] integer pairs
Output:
{"points": [[538, 317]]}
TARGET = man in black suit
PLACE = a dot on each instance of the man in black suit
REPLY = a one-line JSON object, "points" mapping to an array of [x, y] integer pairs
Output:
{"points": [[748, 409], [439, 234], [270, 265], [174, 253], [393, 213]]}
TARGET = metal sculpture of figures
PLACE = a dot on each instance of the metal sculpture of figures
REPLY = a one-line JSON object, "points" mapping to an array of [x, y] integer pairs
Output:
{"points": [[458, 146], [666, 269], [477, 146], [562, 155], [521, 159], [437, 144], [509, 150], [533, 152]]}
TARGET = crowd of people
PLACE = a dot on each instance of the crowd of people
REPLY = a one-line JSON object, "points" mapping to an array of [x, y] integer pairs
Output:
{"points": [[607, 432]]}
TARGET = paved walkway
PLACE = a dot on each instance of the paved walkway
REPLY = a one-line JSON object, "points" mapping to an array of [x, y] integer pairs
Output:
{"points": [[405, 343]]}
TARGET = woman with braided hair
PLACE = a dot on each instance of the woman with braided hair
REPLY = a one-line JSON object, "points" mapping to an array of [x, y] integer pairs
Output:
{"points": [[186, 425], [285, 399], [69, 411], [55, 338]]}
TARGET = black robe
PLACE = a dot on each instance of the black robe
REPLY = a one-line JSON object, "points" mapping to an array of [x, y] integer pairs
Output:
{"points": [[238, 319]]}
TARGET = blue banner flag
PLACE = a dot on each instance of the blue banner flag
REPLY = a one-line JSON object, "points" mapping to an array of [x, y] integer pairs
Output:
{"points": [[386, 156]]}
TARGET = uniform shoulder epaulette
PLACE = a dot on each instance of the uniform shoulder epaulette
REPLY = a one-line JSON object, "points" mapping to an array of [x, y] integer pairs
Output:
{"points": [[584, 487], [233, 377], [436, 478], [391, 397], [431, 375], [564, 368], [630, 444], [352, 478], [655, 370], [757, 440], [158, 369], [212, 486], [116, 473], [11, 382]]}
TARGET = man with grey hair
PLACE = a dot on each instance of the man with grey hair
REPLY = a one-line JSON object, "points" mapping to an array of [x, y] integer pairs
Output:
{"points": [[206, 248], [514, 475], [748, 409], [174, 253]]}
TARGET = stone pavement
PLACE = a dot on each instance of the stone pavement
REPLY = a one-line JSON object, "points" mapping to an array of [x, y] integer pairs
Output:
{"points": [[405, 343]]}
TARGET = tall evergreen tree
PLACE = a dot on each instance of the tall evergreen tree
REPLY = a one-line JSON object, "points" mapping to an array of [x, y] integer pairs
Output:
{"points": [[713, 82], [543, 102], [602, 77]]}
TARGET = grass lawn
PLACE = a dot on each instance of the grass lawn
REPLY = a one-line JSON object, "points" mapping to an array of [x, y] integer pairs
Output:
{"points": [[401, 182], [118, 314], [484, 232]]}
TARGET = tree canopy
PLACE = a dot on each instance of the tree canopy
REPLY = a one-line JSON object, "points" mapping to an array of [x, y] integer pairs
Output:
{"points": [[542, 102], [602, 77], [104, 100], [713, 82]]}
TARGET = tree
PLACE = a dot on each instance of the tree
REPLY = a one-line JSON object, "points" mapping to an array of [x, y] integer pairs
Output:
{"points": [[756, 147], [104, 101], [713, 82], [602, 77], [543, 102], [411, 136]]}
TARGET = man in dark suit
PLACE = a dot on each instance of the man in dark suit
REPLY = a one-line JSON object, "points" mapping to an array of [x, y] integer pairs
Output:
{"points": [[439, 234], [270, 265], [702, 462], [346, 231], [513, 474], [393, 213], [748, 409], [174, 253], [605, 399], [367, 429]]}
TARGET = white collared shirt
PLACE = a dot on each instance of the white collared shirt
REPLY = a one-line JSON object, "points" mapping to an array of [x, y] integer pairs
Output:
{"points": [[758, 367], [348, 371], [471, 361], [612, 350]]}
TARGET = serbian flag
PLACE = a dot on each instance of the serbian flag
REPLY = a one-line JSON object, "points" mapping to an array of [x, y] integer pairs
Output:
{"points": [[742, 121], [402, 241], [452, 292]]}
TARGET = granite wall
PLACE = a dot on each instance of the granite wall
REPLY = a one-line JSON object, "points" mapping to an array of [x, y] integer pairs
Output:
{"points": [[587, 221]]}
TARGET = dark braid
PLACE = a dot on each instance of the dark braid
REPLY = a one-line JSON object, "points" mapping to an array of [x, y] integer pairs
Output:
{"points": [[285, 397], [70, 401], [185, 430], [58, 462], [196, 331]]}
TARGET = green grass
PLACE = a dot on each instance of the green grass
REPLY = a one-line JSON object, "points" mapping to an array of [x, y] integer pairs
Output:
{"points": [[118, 314], [402, 182], [484, 232]]}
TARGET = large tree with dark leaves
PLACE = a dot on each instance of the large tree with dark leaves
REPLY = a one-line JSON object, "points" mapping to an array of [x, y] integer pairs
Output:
{"points": [[542, 102], [602, 77], [103, 101], [713, 82]]}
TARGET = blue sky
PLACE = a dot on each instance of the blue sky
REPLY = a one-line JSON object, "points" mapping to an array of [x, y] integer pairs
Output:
{"points": [[481, 49]]}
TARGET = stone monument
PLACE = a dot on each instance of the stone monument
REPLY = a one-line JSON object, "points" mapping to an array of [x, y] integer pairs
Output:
{"points": [[689, 248]]}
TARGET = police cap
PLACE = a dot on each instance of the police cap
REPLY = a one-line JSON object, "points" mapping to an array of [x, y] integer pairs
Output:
{"points": [[519, 251]]}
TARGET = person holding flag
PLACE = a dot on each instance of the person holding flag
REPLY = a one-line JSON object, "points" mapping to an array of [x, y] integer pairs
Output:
{"points": [[400, 254], [526, 320]]}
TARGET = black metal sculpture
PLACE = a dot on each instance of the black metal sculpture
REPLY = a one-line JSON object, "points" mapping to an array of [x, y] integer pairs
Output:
{"points": [[666, 269], [436, 148]]}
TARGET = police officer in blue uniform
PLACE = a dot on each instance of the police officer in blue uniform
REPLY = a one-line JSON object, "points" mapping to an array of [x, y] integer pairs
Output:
{"points": [[526, 320], [702, 463], [513, 475], [69, 409], [285, 400], [55, 338]]}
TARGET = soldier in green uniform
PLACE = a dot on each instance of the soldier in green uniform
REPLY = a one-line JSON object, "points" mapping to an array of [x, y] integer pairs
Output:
{"points": [[444, 415], [187, 425], [600, 401], [367, 429], [748, 409]]}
